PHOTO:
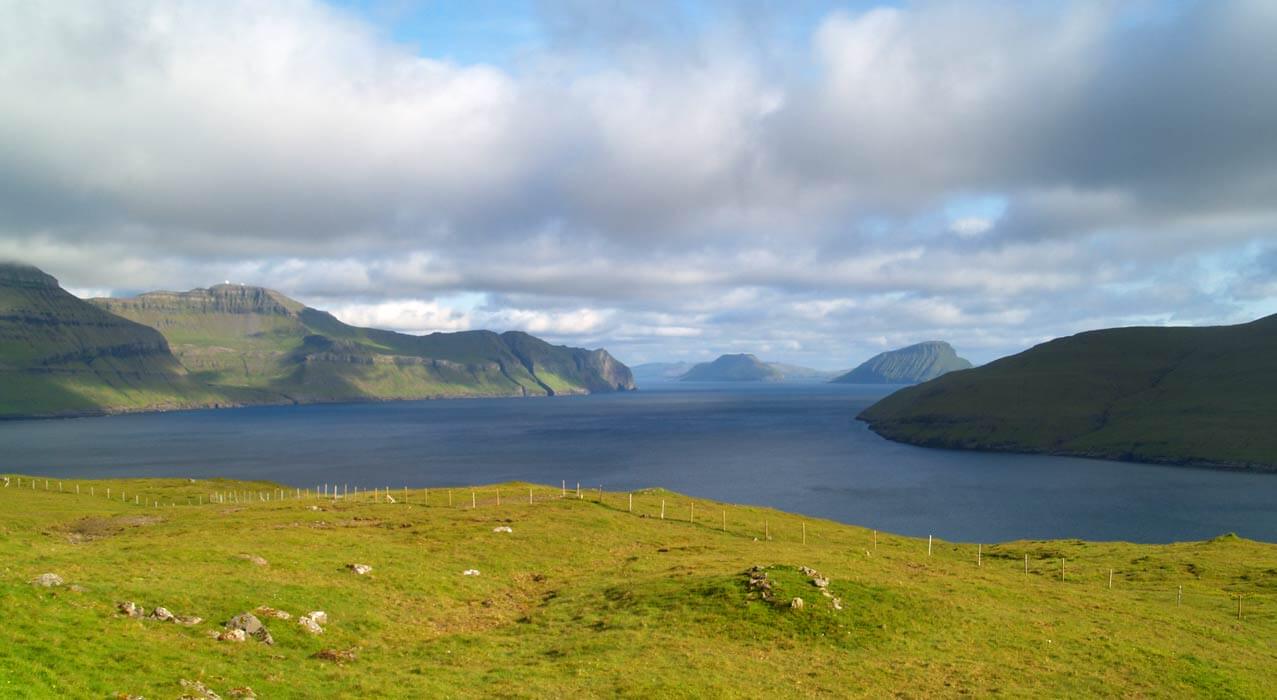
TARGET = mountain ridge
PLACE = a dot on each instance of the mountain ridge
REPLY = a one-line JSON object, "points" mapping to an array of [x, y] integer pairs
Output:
{"points": [[231, 345]]}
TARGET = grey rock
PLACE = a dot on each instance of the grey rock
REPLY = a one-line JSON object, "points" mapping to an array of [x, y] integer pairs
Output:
{"points": [[48, 580], [130, 609], [161, 614]]}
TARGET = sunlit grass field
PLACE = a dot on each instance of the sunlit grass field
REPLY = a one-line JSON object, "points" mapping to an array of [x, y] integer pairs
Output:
{"points": [[587, 597]]}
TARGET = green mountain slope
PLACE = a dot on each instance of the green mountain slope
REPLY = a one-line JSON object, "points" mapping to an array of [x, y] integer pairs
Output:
{"points": [[60, 355], [1205, 396], [909, 365], [255, 338], [733, 368]]}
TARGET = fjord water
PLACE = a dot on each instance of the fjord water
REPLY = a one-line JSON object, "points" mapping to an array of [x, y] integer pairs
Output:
{"points": [[795, 447]]}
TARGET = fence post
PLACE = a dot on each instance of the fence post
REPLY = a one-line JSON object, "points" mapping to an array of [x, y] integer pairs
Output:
{"points": [[804, 532], [631, 506], [928, 545], [979, 555], [662, 509]]}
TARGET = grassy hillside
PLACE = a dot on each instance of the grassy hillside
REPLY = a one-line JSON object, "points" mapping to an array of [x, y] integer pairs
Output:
{"points": [[1178, 395], [254, 338], [61, 355], [583, 598]]}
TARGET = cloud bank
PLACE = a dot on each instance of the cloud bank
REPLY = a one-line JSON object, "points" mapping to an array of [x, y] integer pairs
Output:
{"points": [[666, 185]]}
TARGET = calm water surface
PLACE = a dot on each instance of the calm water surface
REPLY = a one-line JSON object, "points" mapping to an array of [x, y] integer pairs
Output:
{"points": [[796, 447]]}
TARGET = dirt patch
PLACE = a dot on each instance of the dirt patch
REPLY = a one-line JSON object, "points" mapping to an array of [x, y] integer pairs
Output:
{"points": [[90, 529]]}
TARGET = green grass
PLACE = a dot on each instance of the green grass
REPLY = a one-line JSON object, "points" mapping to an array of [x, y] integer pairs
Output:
{"points": [[585, 598]]}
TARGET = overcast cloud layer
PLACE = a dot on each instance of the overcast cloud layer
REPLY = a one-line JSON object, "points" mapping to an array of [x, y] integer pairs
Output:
{"points": [[665, 183]]}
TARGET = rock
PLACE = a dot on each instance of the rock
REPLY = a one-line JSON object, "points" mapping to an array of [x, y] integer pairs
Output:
{"points": [[251, 626], [254, 559], [360, 569], [837, 603], [337, 655], [130, 609], [819, 582], [188, 620], [76, 588], [243, 692], [309, 625], [267, 611], [796, 604], [807, 571], [48, 580], [236, 635], [503, 528], [128, 696], [470, 572], [161, 614], [319, 616], [198, 691]]}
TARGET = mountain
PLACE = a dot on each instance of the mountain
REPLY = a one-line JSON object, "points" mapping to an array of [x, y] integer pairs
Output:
{"points": [[659, 371], [236, 345], [1201, 396], [255, 338], [733, 368], [60, 355], [909, 365]]}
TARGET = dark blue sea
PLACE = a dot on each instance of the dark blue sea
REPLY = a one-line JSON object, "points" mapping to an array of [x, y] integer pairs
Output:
{"points": [[796, 447]]}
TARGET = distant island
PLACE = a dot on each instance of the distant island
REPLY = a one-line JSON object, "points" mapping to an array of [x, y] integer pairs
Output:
{"points": [[237, 345], [1194, 396], [659, 371], [748, 368], [909, 365]]}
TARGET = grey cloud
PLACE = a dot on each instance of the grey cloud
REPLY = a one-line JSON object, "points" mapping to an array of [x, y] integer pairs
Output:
{"points": [[638, 178]]}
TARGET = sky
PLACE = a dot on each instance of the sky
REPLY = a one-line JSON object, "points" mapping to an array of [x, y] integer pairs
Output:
{"points": [[811, 182]]}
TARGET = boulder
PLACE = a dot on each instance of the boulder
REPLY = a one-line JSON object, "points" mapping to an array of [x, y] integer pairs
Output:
{"points": [[48, 580], [820, 582], [319, 616], [337, 655], [267, 611], [235, 635], [130, 609], [309, 625], [242, 692], [837, 603], [360, 569], [254, 559], [198, 691], [161, 614], [470, 572], [796, 604], [251, 626], [503, 528], [188, 620]]}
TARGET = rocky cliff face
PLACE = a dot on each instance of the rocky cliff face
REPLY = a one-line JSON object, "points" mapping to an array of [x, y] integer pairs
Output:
{"points": [[909, 365], [60, 355], [219, 299]]}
